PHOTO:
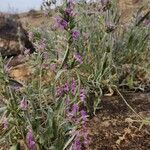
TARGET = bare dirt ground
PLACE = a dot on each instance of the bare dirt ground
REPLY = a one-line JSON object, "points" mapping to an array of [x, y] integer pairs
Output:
{"points": [[113, 128]]}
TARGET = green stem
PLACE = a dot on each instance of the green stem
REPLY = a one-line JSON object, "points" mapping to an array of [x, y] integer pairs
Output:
{"points": [[65, 57]]}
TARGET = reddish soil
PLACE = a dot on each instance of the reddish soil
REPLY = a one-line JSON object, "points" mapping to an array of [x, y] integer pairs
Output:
{"points": [[111, 129]]}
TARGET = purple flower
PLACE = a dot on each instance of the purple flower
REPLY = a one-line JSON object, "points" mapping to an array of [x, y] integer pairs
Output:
{"points": [[66, 87], [70, 12], [78, 58], [53, 67], [60, 23], [5, 123], [24, 104], [75, 34], [82, 95], [74, 111], [31, 141], [85, 136], [64, 24], [84, 115], [77, 145], [73, 87], [82, 139]]}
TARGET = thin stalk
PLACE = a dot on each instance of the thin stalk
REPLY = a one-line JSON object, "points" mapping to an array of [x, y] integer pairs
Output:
{"points": [[65, 57], [128, 104]]}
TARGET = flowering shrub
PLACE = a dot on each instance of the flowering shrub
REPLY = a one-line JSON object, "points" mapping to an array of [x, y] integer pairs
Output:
{"points": [[52, 108]]}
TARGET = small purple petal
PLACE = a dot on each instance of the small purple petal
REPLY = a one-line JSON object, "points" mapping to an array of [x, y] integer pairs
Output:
{"points": [[82, 95], [5, 123], [73, 87], [64, 24], [60, 23], [75, 34], [53, 67], [78, 58], [24, 104], [70, 12], [84, 115], [74, 111], [77, 145], [31, 141], [66, 87]]}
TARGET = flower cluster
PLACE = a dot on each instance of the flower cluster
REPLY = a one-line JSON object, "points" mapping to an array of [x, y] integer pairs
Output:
{"points": [[66, 21], [31, 140], [76, 113], [82, 95], [75, 34], [53, 67], [82, 139], [78, 58], [24, 104], [79, 118], [70, 8], [67, 87], [70, 88], [60, 23]]}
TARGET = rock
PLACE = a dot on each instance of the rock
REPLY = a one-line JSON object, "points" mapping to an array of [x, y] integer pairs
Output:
{"points": [[13, 37], [128, 8], [20, 72]]}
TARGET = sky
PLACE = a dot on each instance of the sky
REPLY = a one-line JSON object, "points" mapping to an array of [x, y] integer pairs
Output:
{"points": [[17, 6], [14, 6]]}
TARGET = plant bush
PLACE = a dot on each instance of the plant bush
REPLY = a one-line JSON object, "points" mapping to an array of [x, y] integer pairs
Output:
{"points": [[78, 59]]}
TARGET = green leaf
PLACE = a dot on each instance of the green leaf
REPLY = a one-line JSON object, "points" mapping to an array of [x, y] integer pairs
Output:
{"points": [[68, 142], [59, 74]]}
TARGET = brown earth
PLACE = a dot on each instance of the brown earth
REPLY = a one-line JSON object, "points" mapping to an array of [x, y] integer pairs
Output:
{"points": [[114, 129]]}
